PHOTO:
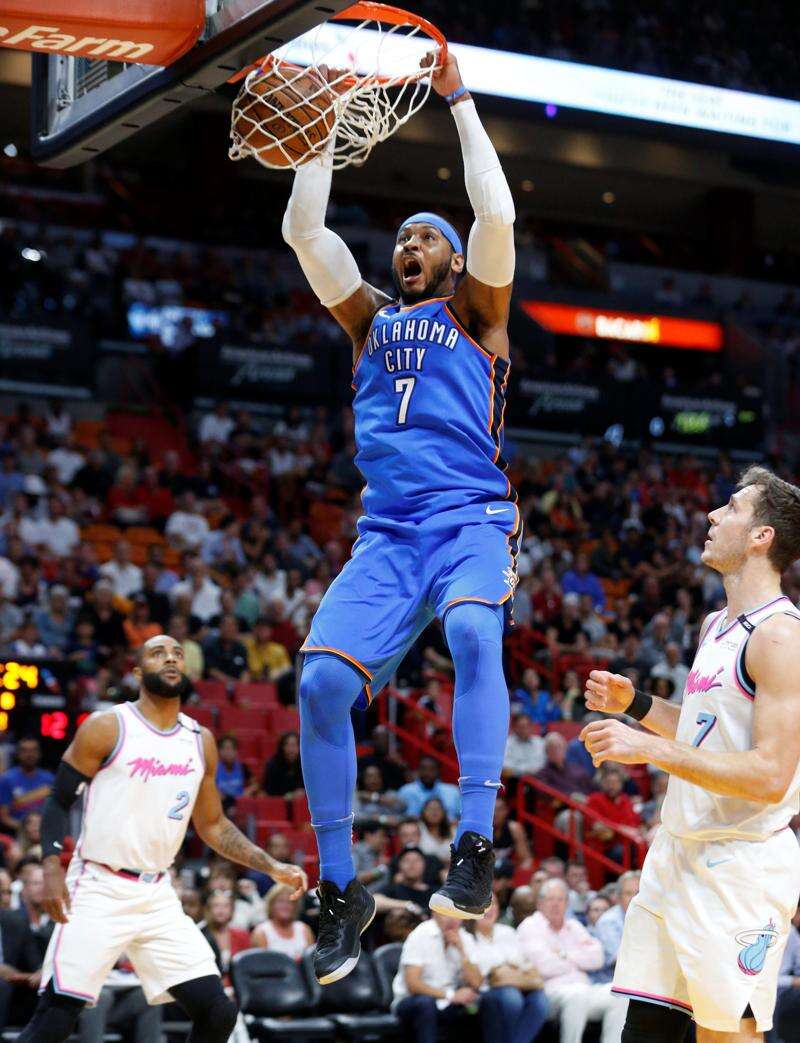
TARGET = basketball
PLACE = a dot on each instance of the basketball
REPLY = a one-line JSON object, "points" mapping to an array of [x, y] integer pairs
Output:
{"points": [[284, 121]]}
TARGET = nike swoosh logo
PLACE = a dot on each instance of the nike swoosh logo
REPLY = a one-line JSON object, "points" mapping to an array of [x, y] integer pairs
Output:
{"points": [[500, 510], [718, 862]]}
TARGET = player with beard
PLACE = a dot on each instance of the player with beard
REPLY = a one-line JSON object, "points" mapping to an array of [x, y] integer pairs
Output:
{"points": [[440, 527], [146, 769]]}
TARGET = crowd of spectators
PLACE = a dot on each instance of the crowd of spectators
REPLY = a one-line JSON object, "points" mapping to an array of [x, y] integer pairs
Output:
{"points": [[245, 543]]}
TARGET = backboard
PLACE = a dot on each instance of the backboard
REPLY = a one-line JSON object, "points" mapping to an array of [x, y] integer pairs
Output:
{"points": [[81, 107]]}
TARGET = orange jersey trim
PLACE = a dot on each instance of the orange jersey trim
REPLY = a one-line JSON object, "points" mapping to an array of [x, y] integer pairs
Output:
{"points": [[476, 600], [343, 655], [349, 659], [429, 300], [491, 395], [503, 390]]}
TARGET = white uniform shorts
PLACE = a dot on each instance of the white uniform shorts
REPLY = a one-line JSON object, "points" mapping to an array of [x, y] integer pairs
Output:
{"points": [[111, 915], [706, 932]]}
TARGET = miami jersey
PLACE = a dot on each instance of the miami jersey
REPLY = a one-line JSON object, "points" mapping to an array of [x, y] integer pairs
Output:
{"points": [[138, 805], [717, 714], [428, 407]]}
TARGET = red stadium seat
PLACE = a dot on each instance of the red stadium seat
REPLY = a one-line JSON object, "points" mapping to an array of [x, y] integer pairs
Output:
{"points": [[211, 693], [256, 695], [265, 828], [262, 808], [301, 841], [284, 719], [235, 718], [202, 714], [256, 766], [256, 745], [249, 745], [269, 744], [300, 812]]}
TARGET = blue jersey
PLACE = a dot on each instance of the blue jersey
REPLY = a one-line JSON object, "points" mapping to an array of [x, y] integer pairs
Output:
{"points": [[428, 410]]}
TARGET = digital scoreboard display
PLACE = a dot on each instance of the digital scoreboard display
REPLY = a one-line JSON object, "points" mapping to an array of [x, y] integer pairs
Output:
{"points": [[34, 701]]}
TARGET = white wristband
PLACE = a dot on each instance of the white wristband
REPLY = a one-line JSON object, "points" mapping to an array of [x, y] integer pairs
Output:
{"points": [[448, 995]]}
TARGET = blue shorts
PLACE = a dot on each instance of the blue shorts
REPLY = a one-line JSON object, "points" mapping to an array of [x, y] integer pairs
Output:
{"points": [[402, 574]]}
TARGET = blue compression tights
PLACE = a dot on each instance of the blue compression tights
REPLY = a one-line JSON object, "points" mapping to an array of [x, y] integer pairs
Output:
{"points": [[480, 711], [328, 688]]}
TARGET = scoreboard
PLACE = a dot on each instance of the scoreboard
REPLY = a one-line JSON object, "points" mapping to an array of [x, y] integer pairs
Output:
{"points": [[34, 700]]}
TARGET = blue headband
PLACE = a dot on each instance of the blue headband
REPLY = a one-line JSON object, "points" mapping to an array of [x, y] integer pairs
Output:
{"points": [[447, 230]]}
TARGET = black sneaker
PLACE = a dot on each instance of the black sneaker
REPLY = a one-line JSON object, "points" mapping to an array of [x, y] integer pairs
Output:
{"points": [[343, 918], [467, 891]]}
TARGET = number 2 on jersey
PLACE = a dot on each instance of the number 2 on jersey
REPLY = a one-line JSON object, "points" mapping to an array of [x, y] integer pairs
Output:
{"points": [[177, 811], [404, 386], [706, 722]]}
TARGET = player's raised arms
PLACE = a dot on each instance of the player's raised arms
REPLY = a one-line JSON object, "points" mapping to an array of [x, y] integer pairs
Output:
{"points": [[481, 298], [325, 258]]}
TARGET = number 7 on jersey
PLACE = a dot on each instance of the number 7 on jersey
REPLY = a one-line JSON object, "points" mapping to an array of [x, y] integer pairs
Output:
{"points": [[404, 386], [706, 722]]}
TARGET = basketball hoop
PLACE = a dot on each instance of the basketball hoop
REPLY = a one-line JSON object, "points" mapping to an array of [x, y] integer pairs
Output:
{"points": [[342, 86]]}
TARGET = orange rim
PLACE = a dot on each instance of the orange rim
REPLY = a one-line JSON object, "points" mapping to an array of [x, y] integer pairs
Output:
{"points": [[359, 12]]}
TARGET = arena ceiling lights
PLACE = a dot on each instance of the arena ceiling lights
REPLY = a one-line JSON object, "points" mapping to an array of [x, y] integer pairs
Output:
{"points": [[610, 92]]}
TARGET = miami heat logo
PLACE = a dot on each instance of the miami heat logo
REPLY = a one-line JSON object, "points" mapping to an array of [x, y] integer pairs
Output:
{"points": [[697, 683], [756, 943], [150, 767]]}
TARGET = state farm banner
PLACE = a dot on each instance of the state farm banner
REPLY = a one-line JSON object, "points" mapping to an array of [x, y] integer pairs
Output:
{"points": [[45, 360], [266, 373], [153, 32]]}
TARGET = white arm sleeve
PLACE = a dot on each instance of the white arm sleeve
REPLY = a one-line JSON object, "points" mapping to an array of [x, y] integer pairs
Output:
{"points": [[326, 261], [490, 252]]}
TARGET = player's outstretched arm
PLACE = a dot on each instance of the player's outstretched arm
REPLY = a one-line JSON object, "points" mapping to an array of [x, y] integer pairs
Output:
{"points": [[614, 693], [93, 743], [326, 260], [483, 296], [762, 773], [216, 829]]}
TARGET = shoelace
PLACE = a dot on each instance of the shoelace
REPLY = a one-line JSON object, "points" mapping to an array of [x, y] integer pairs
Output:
{"points": [[328, 920], [468, 864]]}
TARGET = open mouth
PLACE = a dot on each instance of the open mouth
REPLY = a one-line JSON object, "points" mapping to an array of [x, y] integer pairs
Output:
{"points": [[411, 269]]}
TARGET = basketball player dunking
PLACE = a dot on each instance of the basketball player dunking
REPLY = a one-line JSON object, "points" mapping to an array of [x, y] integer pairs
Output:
{"points": [[147, 770], [706, 933], [440, 525]]}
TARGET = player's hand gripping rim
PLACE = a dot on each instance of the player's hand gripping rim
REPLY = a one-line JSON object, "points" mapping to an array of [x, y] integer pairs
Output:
{"points": [[56, 902], [608, 693], [445, 78]]}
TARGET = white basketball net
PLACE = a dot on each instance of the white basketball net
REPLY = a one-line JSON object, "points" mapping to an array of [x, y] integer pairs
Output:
{"points": [[375, 87]]}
